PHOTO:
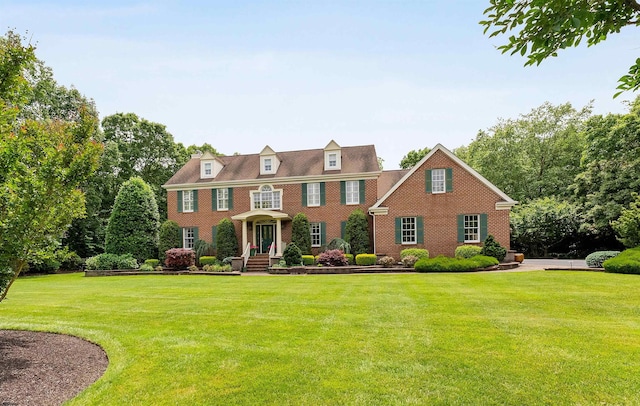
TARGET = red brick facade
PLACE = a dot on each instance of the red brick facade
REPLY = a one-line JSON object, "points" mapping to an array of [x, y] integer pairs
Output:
{"points": [[438, 213]]}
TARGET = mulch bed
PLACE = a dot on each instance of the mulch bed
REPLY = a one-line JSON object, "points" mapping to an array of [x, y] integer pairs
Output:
{"points": [[45, 368]]}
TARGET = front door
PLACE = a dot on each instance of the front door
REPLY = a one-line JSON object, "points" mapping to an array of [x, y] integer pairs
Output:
{"points": [[264, 234]]}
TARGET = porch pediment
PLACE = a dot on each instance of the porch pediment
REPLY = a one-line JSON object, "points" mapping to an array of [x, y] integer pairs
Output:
{"points": [[260, 214]]}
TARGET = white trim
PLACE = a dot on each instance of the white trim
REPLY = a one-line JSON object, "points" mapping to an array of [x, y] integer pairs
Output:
{"points": [[279, 181], [507, 200]]}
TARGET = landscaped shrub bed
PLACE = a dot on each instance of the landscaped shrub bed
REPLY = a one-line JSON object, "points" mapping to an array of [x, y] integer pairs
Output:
{"points": [[366, 259], [595, 259], [111, 261], [628, 261], [447, 264]]}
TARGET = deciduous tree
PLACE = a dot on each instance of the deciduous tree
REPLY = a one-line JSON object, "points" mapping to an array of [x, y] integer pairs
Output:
{"points": [[543, 27], [413, 157]]}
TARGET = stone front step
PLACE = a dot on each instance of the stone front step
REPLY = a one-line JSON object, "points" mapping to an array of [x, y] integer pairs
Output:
{"points": [[258, 263]]}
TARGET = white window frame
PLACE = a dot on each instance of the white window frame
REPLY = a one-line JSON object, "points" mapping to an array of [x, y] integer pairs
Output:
{"points": [[315, 229], [333, 160], [268, 166], [471, 228], [352, 192], [438, 181], [266, 198], [187, 201], [188, 237], [409, 230], [223, 199], [208, 169], [313, 194]]}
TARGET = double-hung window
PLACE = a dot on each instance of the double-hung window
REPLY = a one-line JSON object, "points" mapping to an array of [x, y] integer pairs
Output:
{"points": [[267, 165], [409, 230], [313, 194], [333, 160], [438, 180], [223, 199], [188, 237], [207, 168], [187, 201], [352, 192], [471, 228], [316, 234]]}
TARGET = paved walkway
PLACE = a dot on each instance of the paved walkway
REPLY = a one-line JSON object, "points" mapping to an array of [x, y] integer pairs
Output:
{"points": [[539, 264]]}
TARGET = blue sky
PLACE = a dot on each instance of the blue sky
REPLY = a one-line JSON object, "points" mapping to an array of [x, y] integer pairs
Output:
{"points": [[239, 75]]}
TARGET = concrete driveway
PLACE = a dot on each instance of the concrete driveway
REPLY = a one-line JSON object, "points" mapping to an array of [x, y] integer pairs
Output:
{"points": [[539, 264]]}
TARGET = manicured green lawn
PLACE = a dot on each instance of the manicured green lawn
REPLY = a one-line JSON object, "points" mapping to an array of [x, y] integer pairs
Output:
{"points": [[491, 338]]}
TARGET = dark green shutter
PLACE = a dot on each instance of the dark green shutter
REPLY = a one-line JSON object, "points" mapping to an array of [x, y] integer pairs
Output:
{"points": [[448, 176], [230, 202], [181, 237], [343, 229], [304, 195], [461, 228], [427, 180], [214, 235], [323, 198], [343, 192], [323, 233], [195, 236], [214, 199], [179, 201], [361, 190], [419, 230], [398, 230], [195, 200], [483, 227]]}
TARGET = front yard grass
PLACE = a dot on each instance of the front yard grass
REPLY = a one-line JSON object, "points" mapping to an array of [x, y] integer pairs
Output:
{"points": [[491, 338]]}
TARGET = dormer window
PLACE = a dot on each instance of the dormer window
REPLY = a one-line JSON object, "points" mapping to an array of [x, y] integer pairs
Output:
{"points": [[210, 166], [207, 169], [268, 161], [332, 157]]}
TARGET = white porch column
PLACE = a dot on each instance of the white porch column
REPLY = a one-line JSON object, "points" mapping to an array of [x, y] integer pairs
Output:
{"points": [[244, 235], [279, 237]]}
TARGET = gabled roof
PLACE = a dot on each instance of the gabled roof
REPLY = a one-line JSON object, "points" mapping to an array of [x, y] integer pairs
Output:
{"points": [[506, 203], [304, 163]]}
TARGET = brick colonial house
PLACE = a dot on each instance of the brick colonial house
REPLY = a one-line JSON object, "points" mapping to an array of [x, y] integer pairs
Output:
{"points": [[438, 204]]}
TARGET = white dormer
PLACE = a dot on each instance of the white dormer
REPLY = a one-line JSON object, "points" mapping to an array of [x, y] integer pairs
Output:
{"points": [[269, 162], [210, 166], [332, 157]]}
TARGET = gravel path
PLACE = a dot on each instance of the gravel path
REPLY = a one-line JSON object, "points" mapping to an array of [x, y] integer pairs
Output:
{"points": [[45, 368]]}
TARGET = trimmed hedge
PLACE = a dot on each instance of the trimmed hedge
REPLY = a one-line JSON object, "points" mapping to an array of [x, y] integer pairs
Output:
{"points": [[467, 251], [595, 259], [416, 252], [152, 262], [208, 260], [628, 261], [106, 262], [308, 260], [366, 259], [350, 259], [447, 264]]}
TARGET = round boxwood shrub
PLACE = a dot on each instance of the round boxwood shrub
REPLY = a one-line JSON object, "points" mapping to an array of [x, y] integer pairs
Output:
{"points": [[467, 251], [416, 252], [628, 261], [292, 255], [595, 259], [366, 259], [350, 259]]}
